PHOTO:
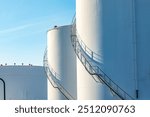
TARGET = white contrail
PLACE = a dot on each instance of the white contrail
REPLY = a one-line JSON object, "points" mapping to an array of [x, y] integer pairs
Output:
{"points": [[15, 29]]}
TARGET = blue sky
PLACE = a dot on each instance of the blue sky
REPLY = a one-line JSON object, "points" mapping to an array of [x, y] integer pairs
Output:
{"points": [[24, 24]]}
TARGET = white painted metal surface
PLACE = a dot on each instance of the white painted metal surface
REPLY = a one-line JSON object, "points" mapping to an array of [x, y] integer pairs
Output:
{"points": [[23, 83], [119, 32], [62, 60], [89, 30]]}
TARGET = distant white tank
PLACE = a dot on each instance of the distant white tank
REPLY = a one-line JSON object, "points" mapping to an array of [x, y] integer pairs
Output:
{"points": [[62, 61], [23, 83]]}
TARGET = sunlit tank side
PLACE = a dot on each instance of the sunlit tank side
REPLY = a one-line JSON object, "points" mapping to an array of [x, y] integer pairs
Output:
{"points": [[62, 60], [89, 30], [23, 82]]}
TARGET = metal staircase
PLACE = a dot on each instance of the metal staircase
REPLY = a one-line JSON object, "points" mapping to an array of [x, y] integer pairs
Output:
{"points": [[53, 78], [89, 59]]}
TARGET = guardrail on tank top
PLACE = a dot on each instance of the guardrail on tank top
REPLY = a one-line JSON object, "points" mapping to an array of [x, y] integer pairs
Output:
{"points": [[93, 69], [53, 77]]}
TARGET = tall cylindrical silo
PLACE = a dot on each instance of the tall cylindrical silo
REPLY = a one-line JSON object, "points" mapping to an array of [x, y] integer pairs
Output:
{"points": [[119, 32], [62, 60], [89, 30]]}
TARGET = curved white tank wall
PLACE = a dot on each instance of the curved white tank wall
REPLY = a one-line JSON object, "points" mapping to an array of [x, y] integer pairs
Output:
{"points": [[88, 22], [62, 59], [89, 29], [118, 31], [23, 83]]}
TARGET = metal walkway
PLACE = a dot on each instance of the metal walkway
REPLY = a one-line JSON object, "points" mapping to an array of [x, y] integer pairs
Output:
{"points": [[88, 58]]}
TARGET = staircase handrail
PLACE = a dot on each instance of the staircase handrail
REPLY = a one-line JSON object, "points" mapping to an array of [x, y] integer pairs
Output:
{"points": [[54, 78], [94, 69]]}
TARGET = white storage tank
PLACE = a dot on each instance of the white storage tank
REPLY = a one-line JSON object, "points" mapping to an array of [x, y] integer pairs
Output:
{"points": [[119, 32], [23, 83], [62, 60], [89, 30]]}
